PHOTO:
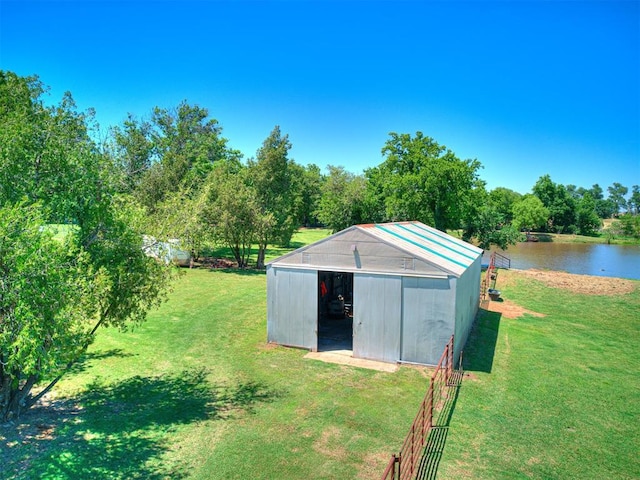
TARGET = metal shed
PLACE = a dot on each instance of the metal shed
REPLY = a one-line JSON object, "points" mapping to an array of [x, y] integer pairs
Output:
{"points": [[398, 291]]}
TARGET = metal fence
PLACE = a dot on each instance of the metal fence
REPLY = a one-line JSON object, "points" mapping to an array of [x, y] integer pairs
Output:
{"points": [[405, 464]]}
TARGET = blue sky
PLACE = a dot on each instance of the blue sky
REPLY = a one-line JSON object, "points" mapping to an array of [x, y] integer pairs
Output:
{"points": [[527, 88]]}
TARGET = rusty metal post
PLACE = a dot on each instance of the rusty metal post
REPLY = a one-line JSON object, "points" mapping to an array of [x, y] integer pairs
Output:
{"points": [[413, 441], [450, 360], [430, 395]]}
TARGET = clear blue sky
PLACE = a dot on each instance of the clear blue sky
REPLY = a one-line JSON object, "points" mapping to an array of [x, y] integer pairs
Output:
{"points": [[527, 88]]}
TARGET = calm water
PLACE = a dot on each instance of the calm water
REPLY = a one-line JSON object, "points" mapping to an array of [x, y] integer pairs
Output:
{"points": [[585, 259]]}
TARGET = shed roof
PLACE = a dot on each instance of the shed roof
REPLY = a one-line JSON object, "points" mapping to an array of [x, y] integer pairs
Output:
{"points": [[427, 243], [416, 239]]}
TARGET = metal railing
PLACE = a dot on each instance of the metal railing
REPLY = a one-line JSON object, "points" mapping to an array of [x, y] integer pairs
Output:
{"points": [[405, 465], [500, 261]]}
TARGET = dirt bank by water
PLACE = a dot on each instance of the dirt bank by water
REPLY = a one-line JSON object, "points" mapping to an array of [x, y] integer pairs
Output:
{"points": [[587, 284]]}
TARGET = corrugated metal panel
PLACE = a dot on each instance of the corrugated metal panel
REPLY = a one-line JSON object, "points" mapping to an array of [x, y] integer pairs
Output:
{"points": [[428, 315], [399, 248], [427, 243], [377, 302], [467, 302], [292, 307]]}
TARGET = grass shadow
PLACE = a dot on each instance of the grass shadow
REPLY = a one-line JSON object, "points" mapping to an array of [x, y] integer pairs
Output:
{"points": [[481, 345], [119, 431], [245, 272]]}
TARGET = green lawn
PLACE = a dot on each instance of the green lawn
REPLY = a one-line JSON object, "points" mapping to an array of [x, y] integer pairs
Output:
{"points": [[559, 398], [196, 393]]}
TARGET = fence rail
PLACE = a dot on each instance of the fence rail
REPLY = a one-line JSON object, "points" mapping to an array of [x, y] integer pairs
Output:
{"points": [[489, 282], [404, 466], [500, 261]]}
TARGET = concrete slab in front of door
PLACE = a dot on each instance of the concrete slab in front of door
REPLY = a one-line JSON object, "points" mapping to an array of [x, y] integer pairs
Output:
{"points": [[345, 357]]}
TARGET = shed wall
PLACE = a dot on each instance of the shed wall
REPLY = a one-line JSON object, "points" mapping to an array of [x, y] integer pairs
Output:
{"points": [[292, 307], [427, 318], [467, 302], [377, 303]]}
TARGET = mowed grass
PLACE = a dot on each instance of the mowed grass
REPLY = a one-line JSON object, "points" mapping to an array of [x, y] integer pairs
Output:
{"points": [[196, 393], [556, 396]]}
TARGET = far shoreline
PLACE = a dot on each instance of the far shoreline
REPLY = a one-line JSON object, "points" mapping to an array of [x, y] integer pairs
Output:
{"points": [[573, 238]]}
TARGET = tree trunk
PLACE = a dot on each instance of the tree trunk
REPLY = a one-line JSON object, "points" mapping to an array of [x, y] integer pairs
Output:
{"points": [[261, 253], [15, 399]]}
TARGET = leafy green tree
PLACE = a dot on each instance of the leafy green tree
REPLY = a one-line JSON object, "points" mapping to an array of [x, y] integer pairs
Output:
{"points": [[310, 180], [588, 221], [233, 212], [634, 201], [488, 227], [180, 217], [422, 180], [133, 151], [617, 193], [503, 199], [271, 174], [56, 292], [343, 198], [43, 305], [630, 225], [605, 207], [174, 151], [561, 205], [529, 213], [596, 192]]}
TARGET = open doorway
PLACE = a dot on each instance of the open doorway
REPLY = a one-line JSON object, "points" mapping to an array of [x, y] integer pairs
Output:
{"points": [[335, 311]]}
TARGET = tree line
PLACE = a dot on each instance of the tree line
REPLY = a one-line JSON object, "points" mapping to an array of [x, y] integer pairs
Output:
{"points": [[74, 212], [179, 168]]}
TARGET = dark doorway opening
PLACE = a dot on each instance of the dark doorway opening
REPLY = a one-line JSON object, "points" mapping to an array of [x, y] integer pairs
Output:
{"points": [[335, 311]]}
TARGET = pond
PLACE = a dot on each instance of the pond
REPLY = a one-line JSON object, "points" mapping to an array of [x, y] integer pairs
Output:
{"points": [[582, 258]]}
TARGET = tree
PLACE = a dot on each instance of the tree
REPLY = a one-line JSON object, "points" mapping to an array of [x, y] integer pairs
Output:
{"points": [[596, 192], [587, 219], [180, 217], [560, 204], [529, 213], [55, 292], [634, 201], [489, 228], [503, 199], [486, 224], [342, 201], [617, 193], [310, 182], [174, 151], [271, 174], [132, 150], [233, 212], [422, 180], [605, 207]]}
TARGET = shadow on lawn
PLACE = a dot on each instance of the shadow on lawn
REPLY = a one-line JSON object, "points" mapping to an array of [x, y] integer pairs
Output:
{"points": [[118, 431], [478, 356], [481, 345], [241, 271], [437, 438], [82, 364]]}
